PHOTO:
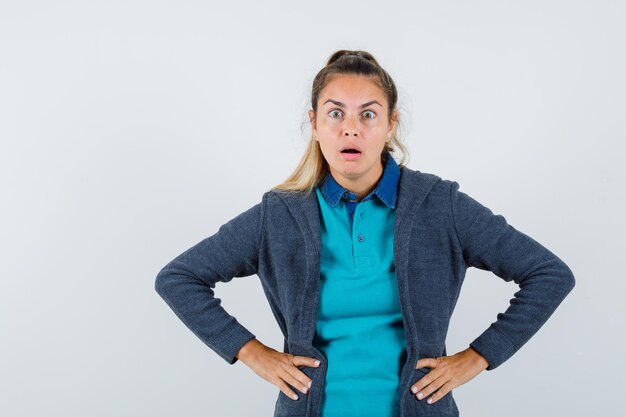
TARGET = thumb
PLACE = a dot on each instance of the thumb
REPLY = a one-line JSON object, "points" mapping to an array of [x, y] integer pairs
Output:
{"points": [[426, 363], [304, 361]]}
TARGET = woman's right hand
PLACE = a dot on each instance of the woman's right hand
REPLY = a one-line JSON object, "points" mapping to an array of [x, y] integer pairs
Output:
{"points": [[279, 368]]}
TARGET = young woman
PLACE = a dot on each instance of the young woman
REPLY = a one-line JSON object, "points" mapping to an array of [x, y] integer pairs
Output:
{"points": [[362, 260]]}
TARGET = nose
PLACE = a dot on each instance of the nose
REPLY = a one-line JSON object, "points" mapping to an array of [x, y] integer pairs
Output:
{"points": [[349, 127]]}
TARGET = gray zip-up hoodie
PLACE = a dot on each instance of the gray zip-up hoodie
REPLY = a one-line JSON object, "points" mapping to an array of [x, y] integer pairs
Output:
{"points": [[439, 232]]}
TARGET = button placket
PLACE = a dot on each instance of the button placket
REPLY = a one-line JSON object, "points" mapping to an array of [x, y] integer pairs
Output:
{"points": [[360, 244]]}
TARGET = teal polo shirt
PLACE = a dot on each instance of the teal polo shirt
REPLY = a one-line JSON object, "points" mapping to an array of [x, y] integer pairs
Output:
{"points": [[359, 327]]}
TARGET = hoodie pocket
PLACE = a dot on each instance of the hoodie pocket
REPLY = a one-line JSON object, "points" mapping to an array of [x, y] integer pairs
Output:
{"points": [[288, 407], [444, 407]]}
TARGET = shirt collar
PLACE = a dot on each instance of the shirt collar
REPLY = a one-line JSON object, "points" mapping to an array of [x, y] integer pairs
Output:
{"points": [[386, 189]]}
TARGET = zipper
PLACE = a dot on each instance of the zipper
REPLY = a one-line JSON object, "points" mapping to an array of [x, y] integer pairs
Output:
{"points": [[403, 387], [321, 356]]}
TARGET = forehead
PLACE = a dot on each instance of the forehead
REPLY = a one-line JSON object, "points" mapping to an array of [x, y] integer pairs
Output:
{"points": [[352, 89]]}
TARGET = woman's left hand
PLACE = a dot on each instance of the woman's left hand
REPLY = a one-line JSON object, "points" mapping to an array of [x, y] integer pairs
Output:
{"points": [[447, 373]]}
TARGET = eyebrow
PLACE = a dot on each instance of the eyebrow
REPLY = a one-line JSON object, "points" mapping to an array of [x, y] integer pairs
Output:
{"points": [[340, 104]]}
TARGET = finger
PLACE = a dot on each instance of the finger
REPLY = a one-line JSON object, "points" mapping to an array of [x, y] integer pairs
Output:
{"points": [[286, 390], [422, 383], [425, 382], [300, 361], [426, 363], [302, 378], [432, 386], [305, 361], [440, 393], [288, 377]]}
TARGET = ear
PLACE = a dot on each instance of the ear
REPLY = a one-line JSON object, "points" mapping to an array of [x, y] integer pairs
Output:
{"points": [[313, 124], [394, 122]]}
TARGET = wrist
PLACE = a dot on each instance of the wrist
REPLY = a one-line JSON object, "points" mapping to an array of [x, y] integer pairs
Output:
{"points": [[247, 350], [479, 359]]}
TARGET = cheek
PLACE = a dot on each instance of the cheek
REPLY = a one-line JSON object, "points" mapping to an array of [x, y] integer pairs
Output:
{"points": [[329, 126], [325, 146]]}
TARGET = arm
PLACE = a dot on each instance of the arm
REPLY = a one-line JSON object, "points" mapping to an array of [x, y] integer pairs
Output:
{"points": [[490, 243], [186, 283]]}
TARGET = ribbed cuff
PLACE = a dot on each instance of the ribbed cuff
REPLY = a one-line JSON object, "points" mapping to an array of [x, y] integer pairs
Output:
{"points": [[493, 346], [231, 341]]}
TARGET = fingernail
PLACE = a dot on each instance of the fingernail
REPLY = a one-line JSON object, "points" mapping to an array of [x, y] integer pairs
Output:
{"points": [[420, 395], [429, 401], [295, 396], [317, 363], [309, 384], [414, 389]]}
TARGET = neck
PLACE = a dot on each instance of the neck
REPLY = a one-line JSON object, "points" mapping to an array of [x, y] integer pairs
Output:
{"points": [[360, 186]]}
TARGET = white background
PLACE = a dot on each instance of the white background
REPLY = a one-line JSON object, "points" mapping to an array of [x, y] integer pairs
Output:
{"points": [[131, 130]]}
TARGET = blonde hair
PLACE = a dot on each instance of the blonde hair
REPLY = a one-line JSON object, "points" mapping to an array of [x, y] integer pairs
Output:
{"points": [[313, 167]]}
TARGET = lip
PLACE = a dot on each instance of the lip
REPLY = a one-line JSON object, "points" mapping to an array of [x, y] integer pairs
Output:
{"points": [[350, 156], [351, 147]]}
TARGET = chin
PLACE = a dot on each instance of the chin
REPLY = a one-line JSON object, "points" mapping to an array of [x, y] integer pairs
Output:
{"points": [[351, 170]]}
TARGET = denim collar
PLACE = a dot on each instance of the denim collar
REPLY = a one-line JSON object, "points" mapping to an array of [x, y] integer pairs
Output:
{"points": [[386, 189]]}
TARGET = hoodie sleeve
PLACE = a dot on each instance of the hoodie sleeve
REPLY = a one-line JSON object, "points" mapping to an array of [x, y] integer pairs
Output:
{"points": [[186, 283], [490, 243]]}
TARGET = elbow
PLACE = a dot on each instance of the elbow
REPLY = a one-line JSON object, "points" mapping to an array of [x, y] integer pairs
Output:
{"points": [[568, 279], [571, 281], [160, 282]]}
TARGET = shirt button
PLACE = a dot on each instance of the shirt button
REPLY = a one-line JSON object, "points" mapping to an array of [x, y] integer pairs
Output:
{"points": [[361, 238]]}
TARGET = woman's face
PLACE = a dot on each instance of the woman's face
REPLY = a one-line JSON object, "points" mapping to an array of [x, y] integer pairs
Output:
{"points": [[352, 113]]}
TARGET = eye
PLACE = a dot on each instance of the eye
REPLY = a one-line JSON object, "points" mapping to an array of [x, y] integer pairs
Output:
{"points": [[334, 111], [370, 112]]}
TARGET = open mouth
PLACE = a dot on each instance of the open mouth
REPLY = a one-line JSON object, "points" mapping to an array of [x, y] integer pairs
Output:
{"points": [[350, 154]]}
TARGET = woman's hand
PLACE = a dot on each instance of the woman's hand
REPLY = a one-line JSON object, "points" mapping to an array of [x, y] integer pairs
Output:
{"points": [[279, 368], [447, 373]]}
